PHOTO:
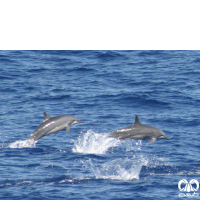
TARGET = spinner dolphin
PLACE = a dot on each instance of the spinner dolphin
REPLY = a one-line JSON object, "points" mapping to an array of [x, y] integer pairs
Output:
{"points": [[52, 125], [138, 131]]}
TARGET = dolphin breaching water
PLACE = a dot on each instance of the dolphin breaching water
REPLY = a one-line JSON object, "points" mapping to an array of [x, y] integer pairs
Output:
{"points": [[138, 131], [52, 125]]}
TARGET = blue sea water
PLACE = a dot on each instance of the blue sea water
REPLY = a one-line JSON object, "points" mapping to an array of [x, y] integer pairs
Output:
{"points": [[105, 89]]}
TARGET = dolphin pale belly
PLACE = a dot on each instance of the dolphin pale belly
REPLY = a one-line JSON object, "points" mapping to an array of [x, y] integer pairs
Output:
{"points": [[52, 125], [139, 131]]}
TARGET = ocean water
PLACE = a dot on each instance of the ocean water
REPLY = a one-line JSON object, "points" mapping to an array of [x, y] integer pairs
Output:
{"points": [[105, 89]]}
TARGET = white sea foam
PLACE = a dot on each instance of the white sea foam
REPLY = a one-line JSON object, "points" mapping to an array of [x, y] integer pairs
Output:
{"points": [[23, 144], [119, 169], [93, 143]]}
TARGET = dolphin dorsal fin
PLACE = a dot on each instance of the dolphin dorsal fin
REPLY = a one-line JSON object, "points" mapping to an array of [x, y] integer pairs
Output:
{"points": [[46, 116], [137, 121]]}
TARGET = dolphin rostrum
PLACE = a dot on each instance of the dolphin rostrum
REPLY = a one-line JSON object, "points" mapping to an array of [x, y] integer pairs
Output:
{"points": [[138, 131], [52, 125]]}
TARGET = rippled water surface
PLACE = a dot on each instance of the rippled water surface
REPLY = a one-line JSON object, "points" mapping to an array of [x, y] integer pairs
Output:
{"points": [[105, 89]]}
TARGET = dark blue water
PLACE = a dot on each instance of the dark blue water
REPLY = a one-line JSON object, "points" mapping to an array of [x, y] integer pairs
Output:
{"points": [[106, 89]]}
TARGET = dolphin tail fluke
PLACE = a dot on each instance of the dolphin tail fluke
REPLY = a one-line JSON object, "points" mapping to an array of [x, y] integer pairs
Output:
{"points": [[32, 137]]}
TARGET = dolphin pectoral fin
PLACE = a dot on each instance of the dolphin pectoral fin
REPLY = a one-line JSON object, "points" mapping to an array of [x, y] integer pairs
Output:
{"points": [[67, 129], [152, 140]]}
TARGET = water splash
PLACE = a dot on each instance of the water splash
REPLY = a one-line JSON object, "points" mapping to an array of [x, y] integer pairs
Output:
{"points": [[119, 169], [23, 144], [94, 143], [124, 169]]}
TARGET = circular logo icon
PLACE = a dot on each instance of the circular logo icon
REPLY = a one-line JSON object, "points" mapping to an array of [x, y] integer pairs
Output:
{"points": [[193, 185]]}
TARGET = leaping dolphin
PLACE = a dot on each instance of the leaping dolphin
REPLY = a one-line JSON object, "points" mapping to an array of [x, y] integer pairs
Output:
{"points": [[139, 131], [52, 125]]}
